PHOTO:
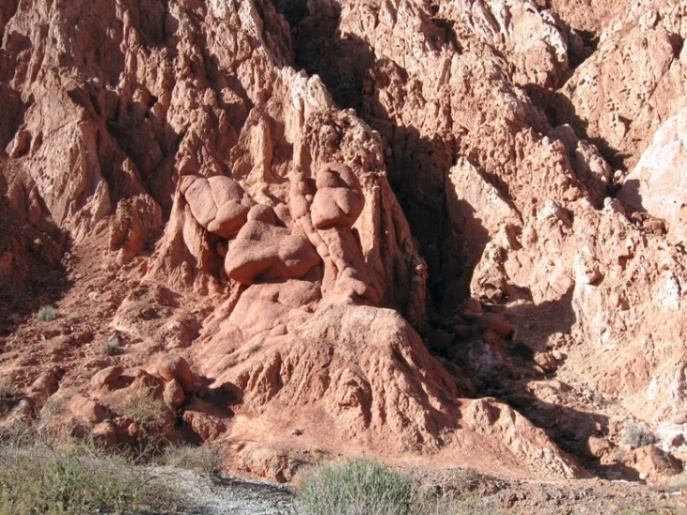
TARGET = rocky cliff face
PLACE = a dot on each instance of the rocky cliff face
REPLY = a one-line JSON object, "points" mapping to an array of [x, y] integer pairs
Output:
{"points": [[412, 228]]}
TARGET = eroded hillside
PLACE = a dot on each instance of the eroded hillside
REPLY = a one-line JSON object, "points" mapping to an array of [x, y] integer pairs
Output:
{"points": [[430, 231]]}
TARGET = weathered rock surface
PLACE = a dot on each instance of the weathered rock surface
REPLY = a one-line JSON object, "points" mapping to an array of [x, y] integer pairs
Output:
{"points": [[633, 82], [338, 201], [219, 203], [176, 368], [270, 253], [272, 201], [657, 184]]}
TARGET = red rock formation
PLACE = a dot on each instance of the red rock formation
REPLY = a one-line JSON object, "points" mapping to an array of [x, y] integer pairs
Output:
{"points": [[286, 194], [219, 203]]}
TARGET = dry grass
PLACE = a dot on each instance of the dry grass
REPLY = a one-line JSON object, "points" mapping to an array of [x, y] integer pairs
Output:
{"points": [[47, 314], [205, 459], [147, 410], [359, 487], [364, 487], [111, 346], [457, 496], [40, 474], [74, 479], [638, 436]]}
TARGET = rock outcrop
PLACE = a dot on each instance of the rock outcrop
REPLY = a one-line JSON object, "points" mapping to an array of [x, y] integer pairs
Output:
{"points": [[657, 184], [298, 201], [633, 81]]}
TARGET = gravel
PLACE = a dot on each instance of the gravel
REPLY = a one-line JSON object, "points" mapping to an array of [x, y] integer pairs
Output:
{"points": [[198, 494]]}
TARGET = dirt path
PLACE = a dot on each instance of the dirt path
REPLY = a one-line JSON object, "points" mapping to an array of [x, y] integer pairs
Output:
{"points": [[224, 495]]}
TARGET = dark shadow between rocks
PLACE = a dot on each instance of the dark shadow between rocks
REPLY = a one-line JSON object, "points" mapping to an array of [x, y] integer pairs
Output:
{"points": [[505, 368], [417, 165], [496, 365], [13, 110], [630, 195], [467, 241], [514, 368], [561, 111], [544, 319], [32, 272]]}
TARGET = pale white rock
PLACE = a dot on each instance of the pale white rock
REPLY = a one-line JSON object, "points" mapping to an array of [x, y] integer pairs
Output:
{"points": [[658, 184]]}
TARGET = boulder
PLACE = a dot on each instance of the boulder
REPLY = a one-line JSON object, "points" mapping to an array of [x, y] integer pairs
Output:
{"points": [[173, 394], [86, 410], [338, 201], [175, 368], [219, 203], [106, 376], [265, 252], [658, 184]]}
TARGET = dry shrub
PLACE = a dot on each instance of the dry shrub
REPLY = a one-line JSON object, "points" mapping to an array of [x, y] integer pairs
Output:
{"points": [[73, 479], [359, 487], [111, 346], [638, 436], [205, 459], [47, 314]]}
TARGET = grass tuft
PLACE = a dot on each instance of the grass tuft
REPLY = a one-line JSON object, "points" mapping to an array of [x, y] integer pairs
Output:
{"points": [[150, 417], [111, 346], [205, 459], [638, 436], [359, 487], [48, 314], [147, 411], [364, 487]]}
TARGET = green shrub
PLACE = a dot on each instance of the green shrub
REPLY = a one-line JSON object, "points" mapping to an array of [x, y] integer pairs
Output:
{"points": [[151, 418], [599, 399], [147, 410], [359, 487], [638, 436], [111, 346], [40, 479], [48, 314]]}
